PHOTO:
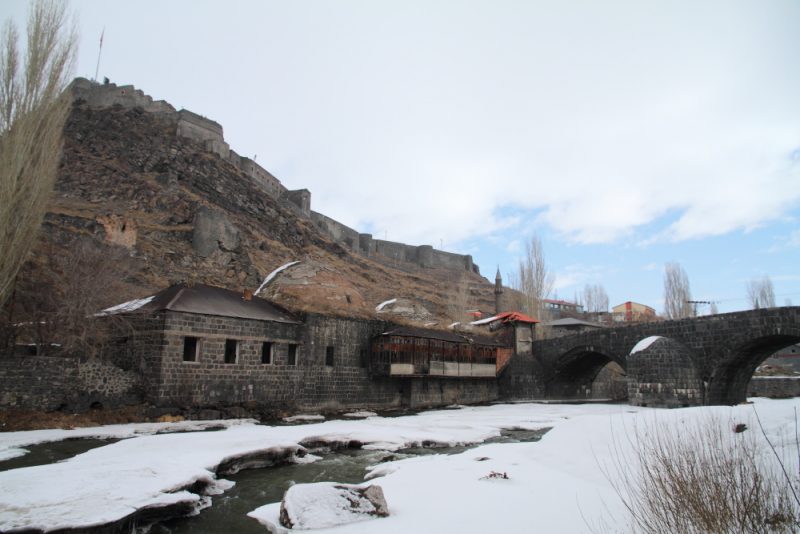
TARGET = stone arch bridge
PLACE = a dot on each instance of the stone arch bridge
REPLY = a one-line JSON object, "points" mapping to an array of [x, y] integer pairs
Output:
{"points": [[700, 361]]}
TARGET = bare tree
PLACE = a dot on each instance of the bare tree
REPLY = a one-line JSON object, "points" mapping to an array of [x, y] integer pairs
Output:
{"points": [[59, 295], [761, 293], [676, 292], [533, 279], [595, 298], [33, 109]]}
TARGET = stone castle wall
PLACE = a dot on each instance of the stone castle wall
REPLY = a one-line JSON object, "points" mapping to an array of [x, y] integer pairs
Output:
{"points": [[390, 251], [210, 135]]}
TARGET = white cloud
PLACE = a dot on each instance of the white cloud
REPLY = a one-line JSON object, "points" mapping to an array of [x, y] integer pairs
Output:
{"points": [[428, 119]]}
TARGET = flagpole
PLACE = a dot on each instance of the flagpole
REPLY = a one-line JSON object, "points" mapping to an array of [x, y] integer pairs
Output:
{"points": [[99, 51]]}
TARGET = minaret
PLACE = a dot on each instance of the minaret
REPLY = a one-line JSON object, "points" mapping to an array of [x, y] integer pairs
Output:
{"points": [[498, 292]]}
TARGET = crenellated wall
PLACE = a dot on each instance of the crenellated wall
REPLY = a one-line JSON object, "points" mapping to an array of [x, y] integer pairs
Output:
{"points": [[210, 134]]}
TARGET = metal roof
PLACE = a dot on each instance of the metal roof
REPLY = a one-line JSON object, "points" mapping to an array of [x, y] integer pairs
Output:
{"points": [[569, 321], [211, 300]]}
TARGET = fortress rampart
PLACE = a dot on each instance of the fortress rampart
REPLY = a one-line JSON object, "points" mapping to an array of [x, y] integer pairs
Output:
{"points": [[210, 135]]}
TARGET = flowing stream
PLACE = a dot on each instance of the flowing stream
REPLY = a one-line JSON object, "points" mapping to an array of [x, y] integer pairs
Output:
{"points": [[256, 487]]}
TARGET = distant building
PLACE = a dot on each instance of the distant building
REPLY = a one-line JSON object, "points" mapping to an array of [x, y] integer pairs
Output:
{"points": [[633, 312], [562, 308], [570, 325]]}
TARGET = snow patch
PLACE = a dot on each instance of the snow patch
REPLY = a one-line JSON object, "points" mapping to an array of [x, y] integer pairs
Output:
{"points": [[484, 321], [328, 504], [643, 344], [359, 415], [383, 304], [304, 418], [125, 307], [272, 275]]}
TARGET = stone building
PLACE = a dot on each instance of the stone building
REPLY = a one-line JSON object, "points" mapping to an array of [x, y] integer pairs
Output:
{"points": [[198, 346]]}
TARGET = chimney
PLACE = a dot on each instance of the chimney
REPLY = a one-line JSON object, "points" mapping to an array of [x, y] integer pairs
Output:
{"points": [[247, 295]]}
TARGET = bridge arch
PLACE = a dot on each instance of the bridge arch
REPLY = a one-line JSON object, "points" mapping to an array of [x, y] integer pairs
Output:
{"points": [[575, 371], [731, 375]]}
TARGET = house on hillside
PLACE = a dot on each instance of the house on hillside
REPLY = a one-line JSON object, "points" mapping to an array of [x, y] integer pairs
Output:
{"points": [[633, 312], [562, 308], [570, 325], [515, 329]]}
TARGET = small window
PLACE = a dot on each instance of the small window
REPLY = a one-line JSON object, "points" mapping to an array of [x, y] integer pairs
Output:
{"points": [[329, 356], [291, 358], [191, 348], [363, 358], [231, 350], [266, 352]]}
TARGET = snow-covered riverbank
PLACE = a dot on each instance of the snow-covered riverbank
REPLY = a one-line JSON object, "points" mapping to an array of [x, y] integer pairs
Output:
{"points": [[555, 485]]}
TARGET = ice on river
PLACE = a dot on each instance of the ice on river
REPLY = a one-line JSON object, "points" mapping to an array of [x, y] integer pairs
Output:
{"points": [[555, 485]]}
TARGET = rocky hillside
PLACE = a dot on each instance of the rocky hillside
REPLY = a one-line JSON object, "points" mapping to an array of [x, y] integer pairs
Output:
{"points": [[167, 210]]}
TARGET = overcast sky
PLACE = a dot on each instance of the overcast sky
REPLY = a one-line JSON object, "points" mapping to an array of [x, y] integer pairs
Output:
{"points": [[625, 133]]}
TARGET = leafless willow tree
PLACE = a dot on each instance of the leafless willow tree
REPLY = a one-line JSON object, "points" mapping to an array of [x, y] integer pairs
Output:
{"points": [[676, 292], [761, 293], [33, 109], [533, 278], [594, 298], [59, 295]]}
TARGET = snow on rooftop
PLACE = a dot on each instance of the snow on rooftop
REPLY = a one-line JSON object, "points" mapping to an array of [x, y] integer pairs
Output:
{"points": [[643, 344], [125, 307], [273, 274], [484, 321], [383, 304]]}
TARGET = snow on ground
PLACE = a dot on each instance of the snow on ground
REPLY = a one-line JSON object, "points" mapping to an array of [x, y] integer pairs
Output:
{"points": [[304, 418], [12, 444], [555, 485], [552, 486], [362, 414], [383, 304], [273, 274]]}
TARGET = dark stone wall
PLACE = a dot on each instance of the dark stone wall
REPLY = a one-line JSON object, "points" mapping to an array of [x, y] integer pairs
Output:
{"points": [[311, 384], [774, 387], [52, 383], [426, 393], [663, 375], [723, 349], [38, 382], [523, 378]]}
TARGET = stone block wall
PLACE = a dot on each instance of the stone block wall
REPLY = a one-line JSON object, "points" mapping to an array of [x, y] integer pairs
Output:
{"points": [[38, 382], [104, 96], [663, 375], [337, 231], [50, 383], [309, 384], [427, 392], [774, 387]]}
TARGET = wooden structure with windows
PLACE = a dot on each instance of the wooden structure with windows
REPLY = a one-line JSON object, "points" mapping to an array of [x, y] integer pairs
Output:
{"points": [[418, 352]]}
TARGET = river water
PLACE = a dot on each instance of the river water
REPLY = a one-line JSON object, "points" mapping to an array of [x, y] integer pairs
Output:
{"points": [[256, 487]]}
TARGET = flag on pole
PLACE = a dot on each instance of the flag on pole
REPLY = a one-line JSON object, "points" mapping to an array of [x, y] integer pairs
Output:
{"points": [[99, 51]]}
